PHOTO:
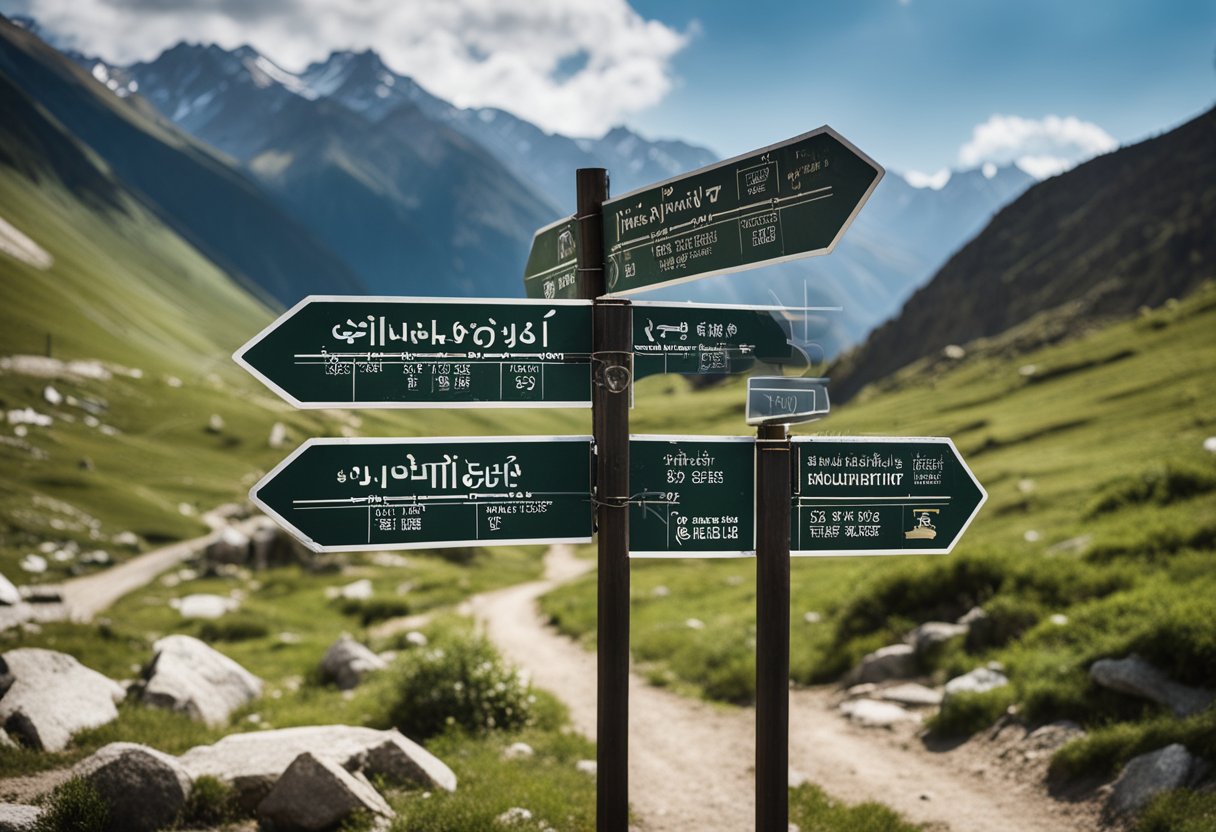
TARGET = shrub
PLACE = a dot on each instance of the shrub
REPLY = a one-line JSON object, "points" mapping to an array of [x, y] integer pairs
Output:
{"points": [[1104, 751], [233, 628], [1158, 485], [1179, 811], [965, 713], [74, 806], [375, 609], [211, 803], [462, 682]]}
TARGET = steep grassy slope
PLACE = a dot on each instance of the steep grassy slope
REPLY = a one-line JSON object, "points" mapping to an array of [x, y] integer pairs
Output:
{"points": [[187, 185], [1127, 229]]}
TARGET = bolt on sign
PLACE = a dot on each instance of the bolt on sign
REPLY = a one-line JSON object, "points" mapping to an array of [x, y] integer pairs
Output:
{"points": [[371, 494], [426, 352], [789, 200], [693, 496], [880, 495], [552, 267]]}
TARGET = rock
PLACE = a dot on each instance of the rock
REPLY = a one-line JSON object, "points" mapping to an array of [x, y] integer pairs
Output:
{"points": [[278, 435], [42, 593], [871, 714], [954, 352], [933, 634], [14, 817], [52, 396], [981, 629], [980, 680], [315, 794], [204, 605], [144, 788], [514, 816], [1167, 768], [1133, 675], [912, 695], [1053, 735], [189, 677], [252, 762], [34, 564], [360, 590], [9, 595], [587, 767], [812, 617], [232, 546], [128, 539], [694, 624], [215, 424], [897, 661], [49, 696], [416, 639], [347, 661], [517, 750]]}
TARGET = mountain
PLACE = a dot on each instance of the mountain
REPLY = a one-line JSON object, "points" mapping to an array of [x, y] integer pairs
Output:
{"points": [[1126, 230], [411, 204], [191, 189]]}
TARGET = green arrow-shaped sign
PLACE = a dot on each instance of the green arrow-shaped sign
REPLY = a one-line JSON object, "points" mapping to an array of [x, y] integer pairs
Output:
{"points": [[371, 494], [880, 495], [552, 268]]}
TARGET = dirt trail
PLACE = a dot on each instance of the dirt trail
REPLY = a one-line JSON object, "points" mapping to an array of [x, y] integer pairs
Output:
{"points": [[691, 762]]}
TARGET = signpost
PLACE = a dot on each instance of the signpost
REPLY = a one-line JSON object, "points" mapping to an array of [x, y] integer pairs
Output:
{"points": [[425, 352], [881, 495], [693, 496], [341, 495], [789, 200], [786, 400], [552, 268]]}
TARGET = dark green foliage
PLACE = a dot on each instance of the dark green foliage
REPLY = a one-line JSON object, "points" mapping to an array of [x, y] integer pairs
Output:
{"points": [[1158, 485], [375, 609], [233, 628], [1106, 750], [1179, 811], [211, 803], [966, 713], [75, 807], [460, 682], [812, 809]]}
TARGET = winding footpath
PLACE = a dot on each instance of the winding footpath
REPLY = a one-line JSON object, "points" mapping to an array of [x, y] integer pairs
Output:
{"points": [[691, 762]]}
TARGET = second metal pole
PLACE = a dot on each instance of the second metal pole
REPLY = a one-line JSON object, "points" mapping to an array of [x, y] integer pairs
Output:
{"points": [[772, 627]]}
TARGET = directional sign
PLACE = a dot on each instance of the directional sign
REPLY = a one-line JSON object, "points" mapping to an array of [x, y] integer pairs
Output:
{"points": [[880, 495], [712, 339], [371, 494], [789, 200], [786, 400], [693, 496], [552, 268], [426, 352]]}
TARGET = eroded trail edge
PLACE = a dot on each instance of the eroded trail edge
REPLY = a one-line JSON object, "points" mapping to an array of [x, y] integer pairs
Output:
{"points": [[691, 762]]}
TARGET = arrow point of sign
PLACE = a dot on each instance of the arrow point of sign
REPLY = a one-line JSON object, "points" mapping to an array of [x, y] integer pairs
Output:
{"points": [[979, 487]]}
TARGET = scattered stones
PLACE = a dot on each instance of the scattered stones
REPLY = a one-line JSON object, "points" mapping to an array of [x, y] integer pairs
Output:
{"points": [[144, 788], [8, 593], [812, 617], [204, 605], [911, 695], [315, 794], [933, 634], [1133, 675], [513, 816], [34, 564], [49, 696], [1209, 444], [980, 680], [1059, 619], [865, 689], [871, 714], [1031, 536], [517, 751], [360, 590], [347, 661], [278, 435], [416, 639], [252, 762], [14, 817], [128, 539], [1167, 768], [189, 677], [954, 352], [390, 560], [694, 624], [52, 396], [29, 416], [215, 424], [587, 767], [896, 661], [232, 546], [41, 366]]}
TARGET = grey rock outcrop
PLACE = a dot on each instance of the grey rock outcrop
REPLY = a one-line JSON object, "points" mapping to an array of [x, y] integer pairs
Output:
{"points": [[16, 817], [252, 762], [8, 593], [980, 680], [347, 661], [49, 696], [144, 788], [315, 794], [1133, 675], [933, 634], [897, 661], [1167, 768], [911, 694], [871, 714], [189, 677]]}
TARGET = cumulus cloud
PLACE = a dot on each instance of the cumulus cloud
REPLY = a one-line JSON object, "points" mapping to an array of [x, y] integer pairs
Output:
{"points": [[574, 66], [936, 180], [1041, 147]]}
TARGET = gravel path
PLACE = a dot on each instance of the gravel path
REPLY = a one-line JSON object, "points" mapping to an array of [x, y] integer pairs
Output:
{"points": [[691, 762]]}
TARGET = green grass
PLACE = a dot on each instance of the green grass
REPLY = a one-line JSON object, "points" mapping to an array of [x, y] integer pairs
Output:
{"points": [[812, 809], [1179, 811]]}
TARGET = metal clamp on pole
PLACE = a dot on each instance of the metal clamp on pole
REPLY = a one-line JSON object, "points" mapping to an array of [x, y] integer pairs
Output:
{"points": [[772, 627]]}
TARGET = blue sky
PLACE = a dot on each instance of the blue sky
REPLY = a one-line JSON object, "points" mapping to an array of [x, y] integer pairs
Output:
{"points": [[908, 82], [920, 85]]}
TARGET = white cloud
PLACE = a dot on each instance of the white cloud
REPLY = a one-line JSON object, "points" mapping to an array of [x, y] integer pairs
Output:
{"points": [[1041, 147], [936, 180], [574, 66]]}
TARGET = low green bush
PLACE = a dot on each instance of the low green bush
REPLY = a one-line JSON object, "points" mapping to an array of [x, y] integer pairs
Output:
{"points": [[810, 808], [1105, 750], [459, 682], [375, 609], [75, 806], [211, 803], [233, 628], [1179, 811], [966, 713], [1160, 484]]}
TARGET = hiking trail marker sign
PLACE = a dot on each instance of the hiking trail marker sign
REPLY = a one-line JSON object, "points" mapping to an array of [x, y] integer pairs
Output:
{"points": [[880, 495], [342, 495], [786, 400], [378, 352]]}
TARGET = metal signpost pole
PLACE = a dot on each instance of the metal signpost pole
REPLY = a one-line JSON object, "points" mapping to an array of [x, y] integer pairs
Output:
{"points": [[772, 627], [612, 384]]}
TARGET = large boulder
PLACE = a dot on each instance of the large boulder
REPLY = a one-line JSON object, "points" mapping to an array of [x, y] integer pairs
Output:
{"points": [[980, 680], [252, 762], [189, 677], [1149, 774], [144, 788], [1133, 675], [898, 661], [16, 817], [48, 696], [315, 794], [347, 661]]}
